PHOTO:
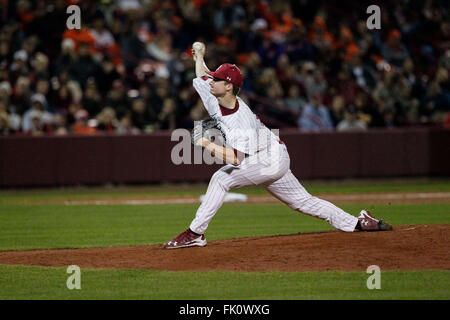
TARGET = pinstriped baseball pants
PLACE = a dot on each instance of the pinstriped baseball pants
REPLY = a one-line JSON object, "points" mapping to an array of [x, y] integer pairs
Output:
{"points": [[271, 171]]}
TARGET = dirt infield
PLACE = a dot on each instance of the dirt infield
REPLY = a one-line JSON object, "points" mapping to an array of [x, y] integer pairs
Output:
{"points": [[407, 247]]}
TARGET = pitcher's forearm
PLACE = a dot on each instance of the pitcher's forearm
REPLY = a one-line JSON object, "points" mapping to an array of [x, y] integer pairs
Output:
{"points": [[200, 67], [225, 154]]}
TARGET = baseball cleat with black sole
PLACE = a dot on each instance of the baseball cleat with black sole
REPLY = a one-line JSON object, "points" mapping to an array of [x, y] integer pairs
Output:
{"points": [[366, 222], [186, 239]]}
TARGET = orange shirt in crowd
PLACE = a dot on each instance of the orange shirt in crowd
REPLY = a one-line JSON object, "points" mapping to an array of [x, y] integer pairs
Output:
{"points": [[78, 36], [80, 128]]}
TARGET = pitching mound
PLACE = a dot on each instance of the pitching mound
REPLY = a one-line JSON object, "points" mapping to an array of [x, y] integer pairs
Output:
{"points": [[409, 247]]}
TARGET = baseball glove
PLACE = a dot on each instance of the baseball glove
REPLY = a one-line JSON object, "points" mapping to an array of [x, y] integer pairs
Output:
{"points": [[209, 129]]}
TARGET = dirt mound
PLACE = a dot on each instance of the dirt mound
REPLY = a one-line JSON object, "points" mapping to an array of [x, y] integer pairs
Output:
{"points": [[408, 247]]}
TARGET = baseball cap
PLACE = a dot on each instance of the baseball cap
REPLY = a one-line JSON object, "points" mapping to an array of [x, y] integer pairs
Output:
{"points": [[228, 72], [38, 97], [81, 114], [4, 85], [21, 55], [259, 24]]}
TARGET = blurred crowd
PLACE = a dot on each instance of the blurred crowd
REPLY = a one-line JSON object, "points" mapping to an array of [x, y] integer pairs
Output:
{"points": [[307, 64]]}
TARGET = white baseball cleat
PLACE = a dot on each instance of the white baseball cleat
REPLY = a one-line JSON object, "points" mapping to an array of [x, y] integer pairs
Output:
{"points": [[186, 239]]}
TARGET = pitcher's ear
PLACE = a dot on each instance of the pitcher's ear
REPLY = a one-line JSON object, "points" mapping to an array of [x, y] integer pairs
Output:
{"points": [[236, 90]]}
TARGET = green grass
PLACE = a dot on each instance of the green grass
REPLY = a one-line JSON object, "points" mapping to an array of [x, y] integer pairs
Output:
{"points": [[24, 225], [60, 226], [50, 283], [148, 192]]}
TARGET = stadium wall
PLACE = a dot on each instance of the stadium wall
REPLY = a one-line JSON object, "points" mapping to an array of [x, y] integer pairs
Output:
{"points": [[129, 159]]}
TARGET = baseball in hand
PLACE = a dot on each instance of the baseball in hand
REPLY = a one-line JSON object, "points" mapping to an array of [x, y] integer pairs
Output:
{"points": [[199, 47]]}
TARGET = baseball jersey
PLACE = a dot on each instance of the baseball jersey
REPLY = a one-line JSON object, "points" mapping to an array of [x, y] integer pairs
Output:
{"points": [[242, 129]]}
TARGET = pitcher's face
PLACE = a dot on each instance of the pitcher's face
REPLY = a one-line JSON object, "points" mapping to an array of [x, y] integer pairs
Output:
{"points": [[220, 87]]}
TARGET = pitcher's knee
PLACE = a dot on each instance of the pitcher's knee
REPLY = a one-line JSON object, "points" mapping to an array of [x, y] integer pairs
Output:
{"points": [[221, 179], [304, 204]]}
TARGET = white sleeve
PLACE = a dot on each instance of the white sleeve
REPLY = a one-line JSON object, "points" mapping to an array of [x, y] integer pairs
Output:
{"points": [[210, 102]]}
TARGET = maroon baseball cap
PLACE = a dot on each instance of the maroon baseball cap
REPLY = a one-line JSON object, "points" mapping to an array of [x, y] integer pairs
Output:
{"points": [[228, 72]]}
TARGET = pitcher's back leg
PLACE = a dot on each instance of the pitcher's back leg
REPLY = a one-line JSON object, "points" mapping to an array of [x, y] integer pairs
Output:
{"points": [[289, 190]]}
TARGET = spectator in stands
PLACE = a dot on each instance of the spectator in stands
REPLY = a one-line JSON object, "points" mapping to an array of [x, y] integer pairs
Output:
{"points": [[408, 72], [107, 121], [157, 98], [167, 116], [132, 46], [84, 66], [81, 37], [103, 38], [64, 91], [5, 128], [319, 36], [92, 101], [337, 109], [160, 48], [351, 121], [36, 118], [140, 115], [67, 56], [5, 92], [40, 65], [62, 99], [360, 73], [397, 76], [59, 125], [117, 98], [14, 119], [389, 120], [270, 51], [294, 100], [81, 125], [406, 106], [20, 66], [384, 87], [36, 126], [441, 91], [315, 116], [43, 87], [21, 95], [5, 53], [394, 51], [107, 75], [198, 112], [298, 48], [125, 126], [312, 79]]}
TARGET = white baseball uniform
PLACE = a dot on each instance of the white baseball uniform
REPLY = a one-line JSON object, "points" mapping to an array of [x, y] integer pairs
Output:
{"points": [[266, 165]]}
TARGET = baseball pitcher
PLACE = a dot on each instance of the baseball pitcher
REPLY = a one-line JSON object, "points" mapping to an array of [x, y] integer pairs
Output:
{"points": [[253, 156]]}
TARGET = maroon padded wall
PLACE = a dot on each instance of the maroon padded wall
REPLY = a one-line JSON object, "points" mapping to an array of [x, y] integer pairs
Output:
{"points": [[121, 159]]}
